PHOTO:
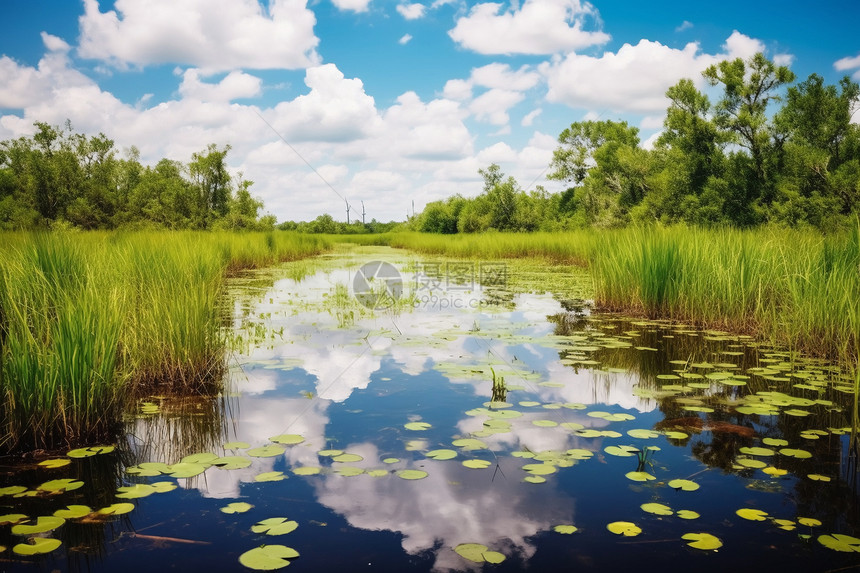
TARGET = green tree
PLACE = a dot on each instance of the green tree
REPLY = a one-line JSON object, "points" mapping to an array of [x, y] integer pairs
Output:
{"points": [[209, 175]]}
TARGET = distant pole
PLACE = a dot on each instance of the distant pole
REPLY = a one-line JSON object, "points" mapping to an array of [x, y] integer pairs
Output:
{"points": [[362, 213], [347, 212], [413, 207]]}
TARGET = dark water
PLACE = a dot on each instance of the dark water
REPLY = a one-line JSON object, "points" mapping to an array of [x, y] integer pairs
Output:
{"points": [[312, 361]]}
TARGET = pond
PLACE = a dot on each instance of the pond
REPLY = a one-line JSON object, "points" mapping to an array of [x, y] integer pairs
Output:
{"points": [[388, 412]]}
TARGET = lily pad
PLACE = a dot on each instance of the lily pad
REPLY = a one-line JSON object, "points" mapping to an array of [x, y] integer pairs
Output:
{"points": [[703, 541], [60, 485], [185, 470], [55, 463], [684, 484], [840, 542], [818, 477], [442, 454], [566, 529], [778, 442], [269, 451], [347, 458], [329, 453], [275, 526], [774, 472], [621, 451], [417, 426], [478, 553], [135, 491], [307, 470], [203, 458], [270, 476], [544, 423], [625, 528], [268, 557], [287, 439], [540, 469], [43, 523], [477, 464], [236, 445], [117, 509], [231, 462], [390, 460], [91, 451], [795, 453], [639, 476], [348, 471], [657, 508], [752, 514], [470, 444], [12, 518], [809, 521], [236, 507], [642, 434], [412, 474], [535, 479], [38, 546], [687, 514], [12, 490], [757, 451]]}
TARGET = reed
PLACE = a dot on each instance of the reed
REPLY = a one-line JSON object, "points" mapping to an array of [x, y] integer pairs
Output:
{"points": [[89, 320]]}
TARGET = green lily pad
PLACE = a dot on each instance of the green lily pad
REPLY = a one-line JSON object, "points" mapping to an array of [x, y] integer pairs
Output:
{"points": [[231, 462], [417, 426], [683, 484], [839, 542], [139, 471], [579, 454], [818, 477], [478, 553], [236, 507], [703, 541], [657, 508], [442, 454], [809, 521], [412, 474], [778, 442], [91, 451], [185, 470], [540, 469], [566, 529], [750, 463], [38, 546], [329, 453], [43, 523], [642, 434], [757, 451], [589, 433], [117, 509], [135, 491], [390, 460], [60, 485], [307, 470], [12, 518], [275, 526], [795, 453], [12, 490], [269, 451], [621, 451], [529, 403], [203, 458], [687, 514], [544, 423], [346, 458], [270, 476], [55, 463], [268, 557], [535, 479], [469, 444], [236, 445], [625, 528], [477, 464], [348, 471], [287, 439], [752, 514], [639, 476], [377, 473]]}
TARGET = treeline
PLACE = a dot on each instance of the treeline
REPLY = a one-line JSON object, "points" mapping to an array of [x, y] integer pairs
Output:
{"points": [[325, 224], [59, 177], [741, 161]]}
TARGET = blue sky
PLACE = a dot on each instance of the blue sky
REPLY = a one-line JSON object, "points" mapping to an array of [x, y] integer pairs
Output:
{"points": [[391, 102]]}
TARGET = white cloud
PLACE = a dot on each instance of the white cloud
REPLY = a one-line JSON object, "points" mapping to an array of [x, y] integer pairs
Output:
{"points": [[783, 59], [404, 39], [352, 5], [651, 122], [434, 130], [457, 90], [411, 11], [493, 105], [847, 63], [685, 25], [235, 85], [529, 118], [537, 27], [501, 76], [210, 34], [335, 109], [54, 44], [740, 46]]}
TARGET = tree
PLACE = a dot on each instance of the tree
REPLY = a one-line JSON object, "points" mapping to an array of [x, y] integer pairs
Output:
{"points": [[748, 89], [209, 175]]}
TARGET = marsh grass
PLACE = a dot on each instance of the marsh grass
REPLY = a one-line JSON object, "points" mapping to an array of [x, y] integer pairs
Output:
{"points": [[90, 320]]}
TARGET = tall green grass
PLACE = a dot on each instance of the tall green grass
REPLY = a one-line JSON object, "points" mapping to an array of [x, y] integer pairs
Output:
{"points": [[87, 320]]}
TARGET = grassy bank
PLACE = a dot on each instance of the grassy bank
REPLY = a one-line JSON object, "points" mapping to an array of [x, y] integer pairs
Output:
{"points": [[796, 288], [89, 319]]}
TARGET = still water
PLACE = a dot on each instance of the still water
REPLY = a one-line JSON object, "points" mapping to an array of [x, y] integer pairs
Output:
{"points": [[382, 417]]}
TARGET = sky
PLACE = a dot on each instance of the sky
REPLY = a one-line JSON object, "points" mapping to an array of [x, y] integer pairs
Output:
{"points": [[390, 103]]}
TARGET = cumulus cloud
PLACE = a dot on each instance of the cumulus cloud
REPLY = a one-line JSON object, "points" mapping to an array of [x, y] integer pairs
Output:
{"points": [[492, 106], [529, 118], [501, 76], [847, 63], [209, 34], [411, 11], [685, 25], [235, 85], [404, 39], [352, 5], [536, 27], [636, 77]]}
